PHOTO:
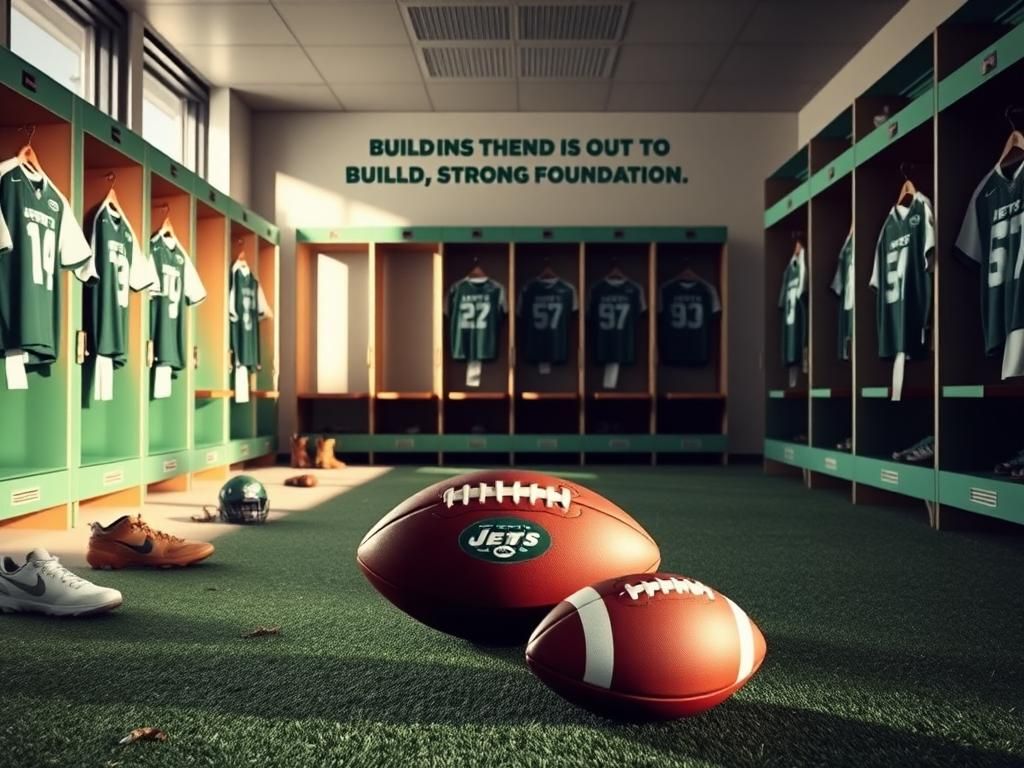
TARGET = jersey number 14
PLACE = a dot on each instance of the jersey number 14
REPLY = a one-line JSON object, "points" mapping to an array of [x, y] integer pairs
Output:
{"points": [[44, 253]]}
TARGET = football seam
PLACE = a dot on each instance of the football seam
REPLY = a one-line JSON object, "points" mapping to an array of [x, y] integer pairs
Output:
{"points": [[573, 681], [631, 523]]}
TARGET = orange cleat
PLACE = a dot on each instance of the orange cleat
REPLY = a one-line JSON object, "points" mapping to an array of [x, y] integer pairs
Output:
{"points": [[128, 542]]}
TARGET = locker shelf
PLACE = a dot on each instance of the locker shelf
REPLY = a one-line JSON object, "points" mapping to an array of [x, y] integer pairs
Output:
{"points": [[214, 394], [343, 395]]}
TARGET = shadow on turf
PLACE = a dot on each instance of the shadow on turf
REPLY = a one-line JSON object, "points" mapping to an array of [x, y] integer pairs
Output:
{"points": [[931, 674], [268, 684], [742, 734]]}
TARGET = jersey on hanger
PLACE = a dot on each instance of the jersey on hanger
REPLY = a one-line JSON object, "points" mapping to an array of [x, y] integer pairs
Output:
{"points": [[686, 309], [246, 307], [120, 267], [793, 306], [180, 286], [842, 286], [991, 236], [902, 278], [545, 311], [614, 308], [475, 308], [38, 237]]}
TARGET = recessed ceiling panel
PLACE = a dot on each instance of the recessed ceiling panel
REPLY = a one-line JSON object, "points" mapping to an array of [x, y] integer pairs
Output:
{"points": [[579, 21], [565, 63], [484, 63], [435, 23]]}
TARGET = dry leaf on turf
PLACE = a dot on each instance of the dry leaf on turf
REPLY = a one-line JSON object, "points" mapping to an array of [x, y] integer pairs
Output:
{"points": [[144, 734], [262, 632], [206, 517]]}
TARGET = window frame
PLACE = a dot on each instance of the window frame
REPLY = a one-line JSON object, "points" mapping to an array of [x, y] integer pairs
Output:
{"points": [[104, 59], [168, 70]]}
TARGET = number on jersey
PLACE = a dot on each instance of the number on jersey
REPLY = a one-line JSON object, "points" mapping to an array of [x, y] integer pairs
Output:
{"points": [[172, 290], [1003, 232], [612, 317], [546, 316], [688, 315], [895, 274], [44, 253], [473, 315]]}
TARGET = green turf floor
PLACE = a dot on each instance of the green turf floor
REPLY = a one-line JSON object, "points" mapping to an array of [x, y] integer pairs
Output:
{"points": [[888, 645]]}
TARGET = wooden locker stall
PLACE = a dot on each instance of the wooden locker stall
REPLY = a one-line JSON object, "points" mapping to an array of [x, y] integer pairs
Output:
{"points": [[887, 156], [266, 392], [111, 445], [169, 420], [547, 400], [474, 418], [336, 401], [243, 245], [407, 353], [213, 387], [37, 451], [691, 394], [830, 363], [786, 227], [618, 410]]}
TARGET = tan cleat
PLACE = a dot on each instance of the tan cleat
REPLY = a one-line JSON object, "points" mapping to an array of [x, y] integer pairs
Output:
{"points": [[300, 451], [325, 458], [129, 542]]}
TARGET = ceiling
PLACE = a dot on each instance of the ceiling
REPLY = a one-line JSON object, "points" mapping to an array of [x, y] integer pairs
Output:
{"points": [[519, 55]]}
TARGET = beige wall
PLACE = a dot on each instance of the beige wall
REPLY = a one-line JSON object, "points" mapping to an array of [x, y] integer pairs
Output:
{"points": [[240, 186], [912, 24], [228, 151], [298, 163]]}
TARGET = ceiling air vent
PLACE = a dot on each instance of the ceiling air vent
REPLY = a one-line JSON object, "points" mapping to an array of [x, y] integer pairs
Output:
{"points": [[550, 21], [577, 63], [431, 23], [468, 63]]}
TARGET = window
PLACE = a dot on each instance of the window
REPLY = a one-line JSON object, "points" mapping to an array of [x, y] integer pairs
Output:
{"points": [[52, 40], [175, 107], [79, 43]]}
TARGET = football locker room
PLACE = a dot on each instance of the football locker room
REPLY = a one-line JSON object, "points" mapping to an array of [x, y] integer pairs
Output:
{"points": [[512, 383]]}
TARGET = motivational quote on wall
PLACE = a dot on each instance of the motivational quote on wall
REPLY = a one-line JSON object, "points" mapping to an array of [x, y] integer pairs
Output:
{"points": [[594, 160]]}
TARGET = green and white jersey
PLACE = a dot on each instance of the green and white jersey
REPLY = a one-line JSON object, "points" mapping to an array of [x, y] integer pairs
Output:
{"points": [[120, 267], [793, 307], [476, 308], [545, 310], [686, 309], [614, 308], [180, 286], [246, 307], [991, 236], [842, 286], [902, 278], [38, 237]]}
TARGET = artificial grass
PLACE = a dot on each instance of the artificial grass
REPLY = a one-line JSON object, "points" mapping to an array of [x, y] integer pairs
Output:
{"points": [[888, 645]]}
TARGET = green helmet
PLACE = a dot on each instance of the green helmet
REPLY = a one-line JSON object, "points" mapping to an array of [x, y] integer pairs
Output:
{"points": [[243, 499]]}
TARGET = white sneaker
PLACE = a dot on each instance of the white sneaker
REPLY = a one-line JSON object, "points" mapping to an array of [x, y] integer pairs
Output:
{"points": [[43, 585]]}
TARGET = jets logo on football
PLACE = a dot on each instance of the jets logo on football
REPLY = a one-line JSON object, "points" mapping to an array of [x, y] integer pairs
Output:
{"points": [[504, 540]]}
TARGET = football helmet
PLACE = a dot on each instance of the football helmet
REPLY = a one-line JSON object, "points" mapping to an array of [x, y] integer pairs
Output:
{"points": [[243, 499]]}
